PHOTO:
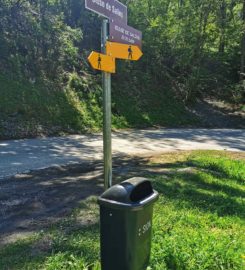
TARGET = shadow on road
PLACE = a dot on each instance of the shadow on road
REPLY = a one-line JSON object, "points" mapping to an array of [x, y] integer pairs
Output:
{"points": [[23, 155], [177, 137]]}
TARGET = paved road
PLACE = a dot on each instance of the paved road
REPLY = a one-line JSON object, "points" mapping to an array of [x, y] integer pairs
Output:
{"points": [[19, 156]]}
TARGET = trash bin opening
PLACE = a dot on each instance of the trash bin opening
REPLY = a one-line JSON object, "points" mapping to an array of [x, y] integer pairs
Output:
{"points": [[141, 191]]}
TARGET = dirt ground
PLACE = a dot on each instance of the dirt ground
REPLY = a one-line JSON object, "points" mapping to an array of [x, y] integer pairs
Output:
{"points": [[34, 201], [218, 114]]}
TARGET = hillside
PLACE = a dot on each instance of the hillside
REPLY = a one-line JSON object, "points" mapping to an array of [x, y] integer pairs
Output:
{"points": [[30, 110]]}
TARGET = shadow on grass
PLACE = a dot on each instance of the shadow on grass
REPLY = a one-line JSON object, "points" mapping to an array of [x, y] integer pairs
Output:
{"points": [[207, 188], [15, 256], [201, 198], [200, 181], [33, 254], [223, 169], [82, 241]]}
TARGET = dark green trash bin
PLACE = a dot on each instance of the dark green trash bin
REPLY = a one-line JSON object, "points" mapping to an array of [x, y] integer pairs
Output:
{"points": [[125, 224]]}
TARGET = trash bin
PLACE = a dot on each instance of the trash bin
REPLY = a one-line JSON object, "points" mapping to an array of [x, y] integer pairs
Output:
{"points": [[125, 224]]}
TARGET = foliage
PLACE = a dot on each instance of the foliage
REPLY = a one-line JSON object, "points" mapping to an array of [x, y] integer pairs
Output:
{"points": [[196, 43], [185, 39], [35, 41], [192, 49]]}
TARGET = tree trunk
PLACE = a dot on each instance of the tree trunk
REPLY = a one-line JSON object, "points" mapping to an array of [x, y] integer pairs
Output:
{"points": [[242, 70], [222, 26]]}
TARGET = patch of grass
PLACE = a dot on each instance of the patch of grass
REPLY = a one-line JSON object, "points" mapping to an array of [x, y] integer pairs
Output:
{"points": [[200, 219], [198, 222]]}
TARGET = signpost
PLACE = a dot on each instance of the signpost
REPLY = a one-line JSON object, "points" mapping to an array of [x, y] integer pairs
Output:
{"points": [[102, 62], [126, 45], [122, 33], [106, 81], [108, 8], [123, 51]]}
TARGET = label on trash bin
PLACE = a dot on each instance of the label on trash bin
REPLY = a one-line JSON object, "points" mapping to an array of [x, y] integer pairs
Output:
{"points": [[144, 229]]}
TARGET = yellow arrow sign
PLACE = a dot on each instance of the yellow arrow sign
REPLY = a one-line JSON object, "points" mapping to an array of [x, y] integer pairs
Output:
{"points": [[123, 51], [102, 62]]}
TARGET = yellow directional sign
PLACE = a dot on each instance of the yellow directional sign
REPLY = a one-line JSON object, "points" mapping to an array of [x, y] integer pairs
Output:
{"points": [[102, 62], [123, 51]]}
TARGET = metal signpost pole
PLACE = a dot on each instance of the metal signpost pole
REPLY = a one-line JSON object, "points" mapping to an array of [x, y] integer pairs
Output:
{"points": [[106, 78]]}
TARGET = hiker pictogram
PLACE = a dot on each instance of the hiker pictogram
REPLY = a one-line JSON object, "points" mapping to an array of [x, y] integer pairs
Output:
{"points": [[96, 60], [123, 51], [130, 53], [99, 62]]}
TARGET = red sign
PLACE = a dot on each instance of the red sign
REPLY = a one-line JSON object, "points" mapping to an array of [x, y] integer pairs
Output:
{"points": [[122, 33], [108, 8]]}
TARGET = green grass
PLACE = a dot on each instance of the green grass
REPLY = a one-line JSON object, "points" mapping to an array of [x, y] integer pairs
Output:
{"points": [[26, 108], [143, 102], [199, 221], [76, 106]]}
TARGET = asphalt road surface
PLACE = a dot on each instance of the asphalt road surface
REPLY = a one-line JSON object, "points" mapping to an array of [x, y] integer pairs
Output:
{"points": [[20, 156]]}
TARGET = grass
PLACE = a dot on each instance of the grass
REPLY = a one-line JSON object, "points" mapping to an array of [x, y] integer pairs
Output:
{"points": [[144, 102], [199, 221], [29, 110], [26, 107]]}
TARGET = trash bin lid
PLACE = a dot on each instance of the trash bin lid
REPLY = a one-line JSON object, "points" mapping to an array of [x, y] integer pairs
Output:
{"points": [[132, 193]]}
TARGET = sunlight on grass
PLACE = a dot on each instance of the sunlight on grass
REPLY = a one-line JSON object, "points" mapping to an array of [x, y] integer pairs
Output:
{"points": [[199, 219]]}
